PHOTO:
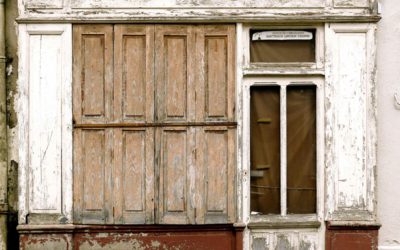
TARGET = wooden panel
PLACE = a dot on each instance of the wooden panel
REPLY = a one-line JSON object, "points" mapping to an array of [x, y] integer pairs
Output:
{"points": [[174, 73], [134, 80], [217, 170], [351, 128], [134, 176], [285, 239], [216, 75], [94, 164], [133, 67], [215, 78], [350, 139], [45, 118], [215, 175], [175, 182], [176, 76], [134, 170], [92, 73], [92, 177]]}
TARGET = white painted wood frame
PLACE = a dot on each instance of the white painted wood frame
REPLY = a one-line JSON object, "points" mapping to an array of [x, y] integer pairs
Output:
{"points": [[255, 11], [284, 220], [283, 82], [290, 68], [351, 122], [45, 123]]}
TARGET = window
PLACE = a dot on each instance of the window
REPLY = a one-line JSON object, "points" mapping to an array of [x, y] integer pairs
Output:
{"points": [[284, 129], [282, 46], [268, 130]]}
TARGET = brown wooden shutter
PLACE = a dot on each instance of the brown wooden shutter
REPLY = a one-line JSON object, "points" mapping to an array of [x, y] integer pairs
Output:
{"points": [[215, 107], [175, 105], [92, 104], [162, 127], [133, 176]]}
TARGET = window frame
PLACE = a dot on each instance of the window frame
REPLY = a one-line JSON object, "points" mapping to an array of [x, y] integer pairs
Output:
{"points": [[260, 68], [283, 219]]}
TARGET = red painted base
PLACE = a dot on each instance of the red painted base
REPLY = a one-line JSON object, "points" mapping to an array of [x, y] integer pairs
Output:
{"points": [[351, 237], [218, 237]]}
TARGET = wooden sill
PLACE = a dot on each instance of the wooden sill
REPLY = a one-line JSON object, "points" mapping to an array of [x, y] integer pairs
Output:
{"points": [[288, 221]]}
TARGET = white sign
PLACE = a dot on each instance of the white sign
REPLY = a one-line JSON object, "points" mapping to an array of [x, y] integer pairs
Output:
{"points": [[282, 35]]}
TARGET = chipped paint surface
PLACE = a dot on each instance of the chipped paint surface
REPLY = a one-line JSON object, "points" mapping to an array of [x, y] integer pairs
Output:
{"points": [[352, 3], [45, 152], [350, 121], [195, 3], [104, 238], [346, 195], [388, 126], [48, 241], [285, 240], [196, 10]]}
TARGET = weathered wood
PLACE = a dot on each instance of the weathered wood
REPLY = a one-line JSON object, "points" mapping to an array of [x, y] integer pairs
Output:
{"points": [[155, 124], [352, 3], [215, 156], [44, 4], [351, 122], [149, 148], [215, 81], [174, 70], [92, 178], [269, 239], [92, 103], [204, 11], [133, 176], [93, 73], [134, 73], [89, 4], [175, 175], [45, 130]]}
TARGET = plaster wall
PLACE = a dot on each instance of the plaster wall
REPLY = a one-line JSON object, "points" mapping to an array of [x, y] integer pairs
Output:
{"points": [[389, 125]]}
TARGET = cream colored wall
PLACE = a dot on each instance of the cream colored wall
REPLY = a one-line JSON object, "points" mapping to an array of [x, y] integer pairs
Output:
{"points": [[389, 125]]}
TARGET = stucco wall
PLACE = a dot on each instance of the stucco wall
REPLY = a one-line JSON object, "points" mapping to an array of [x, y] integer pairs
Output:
{"points": [[389, 125], [12, 74]]}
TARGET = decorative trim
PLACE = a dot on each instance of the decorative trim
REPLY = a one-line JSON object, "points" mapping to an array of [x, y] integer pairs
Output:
{"points": [[247, 17]]}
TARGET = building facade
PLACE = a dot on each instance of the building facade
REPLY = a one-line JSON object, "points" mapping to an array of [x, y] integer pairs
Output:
{"points": [[195, 124]]}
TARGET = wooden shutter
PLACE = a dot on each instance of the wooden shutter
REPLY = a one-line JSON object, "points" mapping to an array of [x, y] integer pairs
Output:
{"points": [[92, 104], [160, 124], [175, 106], [215, 108], [133, 175]]}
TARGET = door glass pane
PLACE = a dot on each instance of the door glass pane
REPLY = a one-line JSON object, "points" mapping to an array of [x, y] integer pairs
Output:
{"points": [[301, 149], [265, 149], [276, 50]]}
